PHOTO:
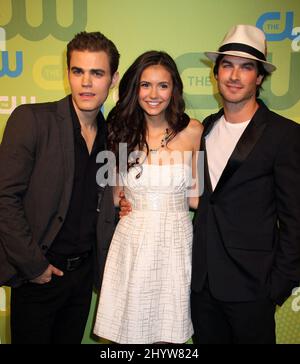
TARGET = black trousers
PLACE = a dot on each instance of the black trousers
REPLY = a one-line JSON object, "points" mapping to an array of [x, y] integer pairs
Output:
{"points": [[55, 312], [218, 322]]}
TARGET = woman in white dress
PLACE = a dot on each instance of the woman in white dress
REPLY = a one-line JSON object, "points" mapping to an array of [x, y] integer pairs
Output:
{"points": [[145, 294]]}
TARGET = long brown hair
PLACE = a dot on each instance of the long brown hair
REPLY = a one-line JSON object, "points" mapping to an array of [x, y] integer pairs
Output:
{"points": [[126, 121]]}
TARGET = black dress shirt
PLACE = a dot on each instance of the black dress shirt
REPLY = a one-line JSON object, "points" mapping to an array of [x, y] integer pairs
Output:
{"points": [[78, 233]]}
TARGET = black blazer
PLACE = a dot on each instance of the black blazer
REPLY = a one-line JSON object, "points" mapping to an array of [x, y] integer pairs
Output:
{"points": [[36, 179], [247, 231]]}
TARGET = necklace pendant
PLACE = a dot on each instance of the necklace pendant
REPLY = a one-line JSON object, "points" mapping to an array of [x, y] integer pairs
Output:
{"points": [[163, 142]]}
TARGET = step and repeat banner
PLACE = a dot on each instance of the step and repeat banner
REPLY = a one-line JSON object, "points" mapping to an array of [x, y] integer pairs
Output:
{"points": [[33, 38]]}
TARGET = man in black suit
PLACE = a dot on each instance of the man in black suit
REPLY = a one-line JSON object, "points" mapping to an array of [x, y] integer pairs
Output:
{"points": [[246, 252], [56, 223]]}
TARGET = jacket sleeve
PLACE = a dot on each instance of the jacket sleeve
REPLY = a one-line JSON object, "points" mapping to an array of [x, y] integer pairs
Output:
{"points": [[17, 158], [286, 269]]}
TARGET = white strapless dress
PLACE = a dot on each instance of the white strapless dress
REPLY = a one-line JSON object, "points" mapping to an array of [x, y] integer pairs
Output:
{"points": [[145, 294]]}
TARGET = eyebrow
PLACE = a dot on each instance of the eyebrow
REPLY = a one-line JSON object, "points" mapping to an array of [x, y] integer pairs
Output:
{"points": [[248, 63], [151, 82], [93, 70]]}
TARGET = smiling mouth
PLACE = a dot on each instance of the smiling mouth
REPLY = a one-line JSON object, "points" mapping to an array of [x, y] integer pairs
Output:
{"points": [[238, 87], [153, 103]]}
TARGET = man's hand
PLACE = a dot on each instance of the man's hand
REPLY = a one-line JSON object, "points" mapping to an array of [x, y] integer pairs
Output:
{"points": [[125, 206], [47, 275]]}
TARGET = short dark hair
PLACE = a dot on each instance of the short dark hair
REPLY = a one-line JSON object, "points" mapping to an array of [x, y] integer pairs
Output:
{"points": [[94, 42], [260, 71]]}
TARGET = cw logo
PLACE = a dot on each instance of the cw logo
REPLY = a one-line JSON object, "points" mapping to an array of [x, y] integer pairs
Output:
{"points": [[268, 23], [296, 300], [9, 103], [292, 96], [198, 88], [18, 23], [196, 78], [5, 70], [296, 41], [48, 73]]}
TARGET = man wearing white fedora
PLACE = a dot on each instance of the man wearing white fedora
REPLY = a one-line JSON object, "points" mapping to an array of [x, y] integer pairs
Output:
{"points": [[246, 252]]}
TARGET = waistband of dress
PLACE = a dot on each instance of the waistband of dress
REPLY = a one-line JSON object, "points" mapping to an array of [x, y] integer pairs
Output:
{"points": [[155, 201]]}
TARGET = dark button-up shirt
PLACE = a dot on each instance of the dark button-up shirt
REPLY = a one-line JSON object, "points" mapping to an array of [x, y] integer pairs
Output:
{"points": [[78, 232]]}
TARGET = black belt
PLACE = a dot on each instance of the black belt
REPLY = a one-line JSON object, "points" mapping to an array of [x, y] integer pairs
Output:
{"points": [[67, 263]]}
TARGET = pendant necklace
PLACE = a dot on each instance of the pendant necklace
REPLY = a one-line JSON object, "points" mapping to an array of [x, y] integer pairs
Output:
{"points": [[163, 142]]}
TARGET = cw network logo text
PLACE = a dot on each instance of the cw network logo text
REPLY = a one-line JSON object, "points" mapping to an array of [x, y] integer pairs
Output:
{"points": [[18, 24], [278, 27]]}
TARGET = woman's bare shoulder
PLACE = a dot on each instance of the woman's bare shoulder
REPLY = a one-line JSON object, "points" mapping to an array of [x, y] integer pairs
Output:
{"points": [[195, 128]]}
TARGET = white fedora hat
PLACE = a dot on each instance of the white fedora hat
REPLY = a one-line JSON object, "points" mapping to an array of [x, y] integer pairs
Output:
{"points": [[244, 41]]}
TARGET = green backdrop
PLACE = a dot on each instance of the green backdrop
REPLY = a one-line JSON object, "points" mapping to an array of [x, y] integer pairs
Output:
{"points": [[33, 37]]}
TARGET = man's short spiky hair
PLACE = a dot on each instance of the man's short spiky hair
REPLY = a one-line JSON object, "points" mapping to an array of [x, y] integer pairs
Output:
{"points": [[94, 42]]}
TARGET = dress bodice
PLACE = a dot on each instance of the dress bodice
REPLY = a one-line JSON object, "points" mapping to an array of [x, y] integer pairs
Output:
{"points": [[159, 187]]}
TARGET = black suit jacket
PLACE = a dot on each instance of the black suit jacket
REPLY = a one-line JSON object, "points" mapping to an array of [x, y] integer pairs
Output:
{"points": [[247, 231], [36, 179]]}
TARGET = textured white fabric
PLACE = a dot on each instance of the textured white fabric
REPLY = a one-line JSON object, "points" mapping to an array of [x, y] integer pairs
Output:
{"points": [[146, 286], [220, 143]]}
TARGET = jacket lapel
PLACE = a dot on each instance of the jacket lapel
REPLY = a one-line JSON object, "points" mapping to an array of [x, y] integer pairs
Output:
{"points": [[244, 146], [65, 125], [208, 124]]}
